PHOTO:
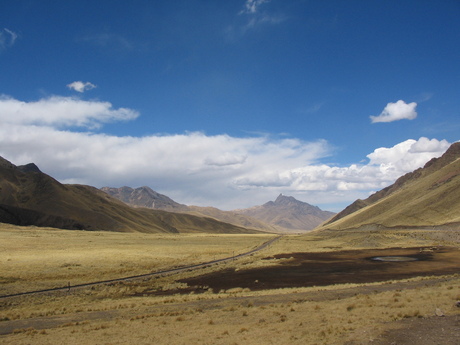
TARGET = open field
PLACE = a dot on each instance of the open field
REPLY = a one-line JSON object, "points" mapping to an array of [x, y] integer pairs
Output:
{"points": [[38, 258], [152, 311]]}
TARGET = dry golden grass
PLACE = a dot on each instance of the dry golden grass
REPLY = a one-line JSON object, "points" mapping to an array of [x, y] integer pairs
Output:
{"points": [[38, 258], [121, 314], [181, 320]]}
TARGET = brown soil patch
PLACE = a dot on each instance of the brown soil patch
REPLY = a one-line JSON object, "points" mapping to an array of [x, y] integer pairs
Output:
{"points": [[340, 267], [429, 331]]}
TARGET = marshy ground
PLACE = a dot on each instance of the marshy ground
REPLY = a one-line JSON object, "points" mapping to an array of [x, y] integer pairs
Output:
{"points": [[330, 268]]}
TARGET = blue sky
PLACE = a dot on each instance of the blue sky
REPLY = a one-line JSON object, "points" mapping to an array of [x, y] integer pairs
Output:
{"points": [[229, 103]]}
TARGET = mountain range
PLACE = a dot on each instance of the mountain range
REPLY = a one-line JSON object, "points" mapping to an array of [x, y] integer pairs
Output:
{"points": [[285, 214], [428, 197]]}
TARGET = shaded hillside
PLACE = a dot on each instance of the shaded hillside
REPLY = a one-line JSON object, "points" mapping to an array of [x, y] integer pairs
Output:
{"points": [[289, 213], [30, 197], [426, 197]]}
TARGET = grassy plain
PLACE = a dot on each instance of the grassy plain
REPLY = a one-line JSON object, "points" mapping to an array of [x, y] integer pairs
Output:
{"points": [[40, 258], [123, 313]]}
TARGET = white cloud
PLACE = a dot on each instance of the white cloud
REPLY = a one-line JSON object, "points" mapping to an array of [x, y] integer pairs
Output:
{"points": [[396, 111], [225, 159], [429, 146], [61, 112], [7, 38], [407, 156], [384, 167], [194, 168], [80, 86]]}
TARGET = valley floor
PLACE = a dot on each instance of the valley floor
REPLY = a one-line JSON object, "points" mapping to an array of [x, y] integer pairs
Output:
{"points": [[418, 308]]}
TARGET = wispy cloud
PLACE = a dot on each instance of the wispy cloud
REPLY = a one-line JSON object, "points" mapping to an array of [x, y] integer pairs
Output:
{"points": [[80, 86], [108, 40], [252, 6], [314, 108], [396, 111], [254, 15], [425, 96], [7, 38], [193, 168]]}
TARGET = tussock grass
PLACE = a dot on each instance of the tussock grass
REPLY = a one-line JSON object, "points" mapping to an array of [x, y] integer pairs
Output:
{"points": [[330, 321]]}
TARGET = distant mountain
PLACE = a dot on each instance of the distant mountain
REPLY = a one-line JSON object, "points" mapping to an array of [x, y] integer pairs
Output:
{"points": [[428, 197], [284, 214], [233, 218], [144, 197], [289, 213], [30, 197]]}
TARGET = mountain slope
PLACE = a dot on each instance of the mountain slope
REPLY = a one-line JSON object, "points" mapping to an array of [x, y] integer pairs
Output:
{"points": [[30, 197], [232, 218], [427, 197], [144, 197], [289, 213]]}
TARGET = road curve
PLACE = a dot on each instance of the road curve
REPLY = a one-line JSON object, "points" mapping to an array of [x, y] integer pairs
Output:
{"points": [[148, 275]]}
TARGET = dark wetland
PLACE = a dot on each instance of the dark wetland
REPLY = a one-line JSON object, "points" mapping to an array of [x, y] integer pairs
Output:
{"points": [[329, 268]]}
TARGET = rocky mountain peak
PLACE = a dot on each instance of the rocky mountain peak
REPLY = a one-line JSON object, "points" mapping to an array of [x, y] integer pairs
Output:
{"points": [[284, 200], [288, 212], [31, 167], [143, 197]]}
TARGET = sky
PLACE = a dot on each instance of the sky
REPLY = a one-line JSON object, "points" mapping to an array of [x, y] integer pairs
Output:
{"points": [[230, 103]]}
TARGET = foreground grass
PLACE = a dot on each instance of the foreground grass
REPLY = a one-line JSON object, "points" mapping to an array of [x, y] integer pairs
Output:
{"points": [[302, 316], [122, 314]]}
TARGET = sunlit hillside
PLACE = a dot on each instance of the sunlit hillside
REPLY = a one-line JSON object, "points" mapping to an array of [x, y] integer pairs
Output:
{"points": [[427, 197]]}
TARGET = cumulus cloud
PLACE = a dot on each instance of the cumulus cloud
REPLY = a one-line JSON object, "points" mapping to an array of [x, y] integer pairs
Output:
{"points": [[61, 112], [429, 146], [7, 38], [408, 155], [194, 168], [396, 111], [80, 86], [384, 167]]}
